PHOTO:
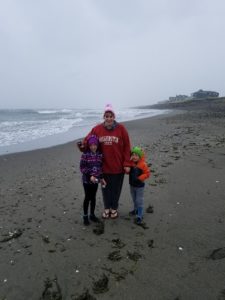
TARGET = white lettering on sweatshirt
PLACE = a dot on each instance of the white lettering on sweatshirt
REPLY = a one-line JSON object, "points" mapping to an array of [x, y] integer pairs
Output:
{"points": [[108, 140]]}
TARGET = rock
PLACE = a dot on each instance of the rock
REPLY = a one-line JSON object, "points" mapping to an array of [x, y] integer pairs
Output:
{"points": [[149, 209], [12, 235]]}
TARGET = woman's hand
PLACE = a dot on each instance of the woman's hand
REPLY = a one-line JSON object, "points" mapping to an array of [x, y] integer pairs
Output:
{"points": [[103, 182], [81, 146], [127, 170]]}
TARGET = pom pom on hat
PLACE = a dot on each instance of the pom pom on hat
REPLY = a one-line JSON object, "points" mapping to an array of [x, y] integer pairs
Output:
{"points": [[109, 108], [93, 139], [138, 151]]}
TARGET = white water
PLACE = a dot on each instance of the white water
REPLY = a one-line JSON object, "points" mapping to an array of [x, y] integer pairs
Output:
{"points": [[22, 130]]}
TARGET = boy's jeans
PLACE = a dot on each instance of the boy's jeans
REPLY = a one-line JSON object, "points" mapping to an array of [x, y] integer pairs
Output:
{"points": [[137, 194]]}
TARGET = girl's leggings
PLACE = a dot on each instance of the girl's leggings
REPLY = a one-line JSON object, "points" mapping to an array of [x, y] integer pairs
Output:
{"points": [[90, 191]]}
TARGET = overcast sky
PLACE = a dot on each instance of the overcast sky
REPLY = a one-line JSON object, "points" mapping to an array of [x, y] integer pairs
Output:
{"points": [[85, 53]]}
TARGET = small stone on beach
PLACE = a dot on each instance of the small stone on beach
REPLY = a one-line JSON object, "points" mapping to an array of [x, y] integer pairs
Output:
{"points": [[150, 209]]}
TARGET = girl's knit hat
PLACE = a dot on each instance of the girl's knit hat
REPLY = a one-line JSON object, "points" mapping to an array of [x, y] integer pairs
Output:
{"points": [[109, 108], [138, 151], [93, 139]]}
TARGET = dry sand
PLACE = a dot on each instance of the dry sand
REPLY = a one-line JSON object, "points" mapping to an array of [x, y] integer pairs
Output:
{"points": [[47, 253]]}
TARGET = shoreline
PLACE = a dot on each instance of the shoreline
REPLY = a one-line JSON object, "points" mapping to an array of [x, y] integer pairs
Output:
{"points": [[179, 255], [71, 135]]}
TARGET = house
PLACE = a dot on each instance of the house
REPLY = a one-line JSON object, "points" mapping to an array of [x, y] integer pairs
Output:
{"points": [[178, 98], [205, 94]]}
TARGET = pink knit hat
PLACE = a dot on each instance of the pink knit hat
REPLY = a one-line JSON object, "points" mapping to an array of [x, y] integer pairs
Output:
{"points": [[109, 108]]}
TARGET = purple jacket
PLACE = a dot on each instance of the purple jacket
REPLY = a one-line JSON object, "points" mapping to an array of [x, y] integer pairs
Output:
{"points": [[91, 165]]}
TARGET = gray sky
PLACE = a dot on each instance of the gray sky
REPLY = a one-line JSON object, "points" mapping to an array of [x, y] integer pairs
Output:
{"points": [[86, 53]]}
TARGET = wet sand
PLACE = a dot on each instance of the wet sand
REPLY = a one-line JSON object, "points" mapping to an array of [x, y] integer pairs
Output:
{"points": [[47, 253]]}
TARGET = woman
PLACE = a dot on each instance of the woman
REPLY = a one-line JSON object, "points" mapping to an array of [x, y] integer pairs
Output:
{"points": [[115, 146]]}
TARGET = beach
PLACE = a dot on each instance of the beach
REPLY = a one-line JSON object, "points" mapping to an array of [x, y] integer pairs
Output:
{"points": [[179, 253]]}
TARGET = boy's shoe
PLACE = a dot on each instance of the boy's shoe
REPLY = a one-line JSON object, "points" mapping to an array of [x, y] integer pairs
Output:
{"points": [[93, 218], [86, 221], [133, 212], [139, 221]]}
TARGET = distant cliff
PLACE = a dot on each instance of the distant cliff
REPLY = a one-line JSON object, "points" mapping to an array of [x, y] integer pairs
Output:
{"points": [[212, 104]]}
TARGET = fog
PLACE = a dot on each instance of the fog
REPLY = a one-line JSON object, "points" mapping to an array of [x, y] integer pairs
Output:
{"points": [[86, 53]]}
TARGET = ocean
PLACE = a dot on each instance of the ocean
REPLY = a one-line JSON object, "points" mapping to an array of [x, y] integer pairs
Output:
{"points": [[29, 129]]}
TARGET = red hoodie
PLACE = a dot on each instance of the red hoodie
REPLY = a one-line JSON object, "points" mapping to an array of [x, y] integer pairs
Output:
{"points": [[115, 147]]}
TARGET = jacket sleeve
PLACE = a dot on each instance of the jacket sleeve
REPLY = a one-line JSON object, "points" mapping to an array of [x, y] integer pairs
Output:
{"points": [[145, 172], [83, 165]]}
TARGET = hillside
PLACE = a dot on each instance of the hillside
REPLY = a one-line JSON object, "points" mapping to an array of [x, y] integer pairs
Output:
{"points": [[209, 104]]}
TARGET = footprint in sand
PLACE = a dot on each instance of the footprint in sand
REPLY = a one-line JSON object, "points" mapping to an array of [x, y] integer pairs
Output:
{"points": [[222, 295], [218, 254], [52, 290], [115, 256], [99, 228], [135, 256], [150, 243], [101, 285], [84, 296], [117, 243]]}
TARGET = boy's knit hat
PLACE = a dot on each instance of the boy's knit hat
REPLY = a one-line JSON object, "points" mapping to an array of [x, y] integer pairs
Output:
{"points": [[138, 151], [109, 108], [93, 139]]}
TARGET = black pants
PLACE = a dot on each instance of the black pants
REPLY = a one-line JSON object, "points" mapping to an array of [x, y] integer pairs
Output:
{"points": [[90, 191], [111, 193]]}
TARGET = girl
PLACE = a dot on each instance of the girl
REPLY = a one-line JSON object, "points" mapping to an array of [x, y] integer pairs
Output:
{"points": [[91, 169]]}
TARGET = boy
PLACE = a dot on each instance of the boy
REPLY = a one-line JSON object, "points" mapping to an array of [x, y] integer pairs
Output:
{"points": [[138, 173]]}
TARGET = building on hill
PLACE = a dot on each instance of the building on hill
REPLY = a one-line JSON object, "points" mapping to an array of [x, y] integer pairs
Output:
{"points": [[178, 98], [205, 94]]}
